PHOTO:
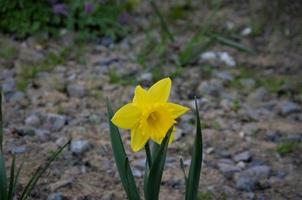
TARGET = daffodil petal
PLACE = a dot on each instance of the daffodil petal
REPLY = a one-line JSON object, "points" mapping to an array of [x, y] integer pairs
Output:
{"points": [[127, 116], [138, 140], [160, 91], [172, 135], [159, 140], [140, 95], [176, 110]]}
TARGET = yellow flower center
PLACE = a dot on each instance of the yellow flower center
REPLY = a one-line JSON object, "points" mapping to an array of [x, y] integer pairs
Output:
{"points": [[153, 116]]}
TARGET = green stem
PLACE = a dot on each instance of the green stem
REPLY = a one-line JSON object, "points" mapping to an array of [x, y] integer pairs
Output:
{"points": [[1, 123], [163, 23], [148, 154]]}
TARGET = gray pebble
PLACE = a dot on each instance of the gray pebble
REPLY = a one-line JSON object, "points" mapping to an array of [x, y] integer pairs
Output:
{"points": [[78, 146], [289, 107], [243, 156], [33, 121], [75, 90], [248, 179], [55, 196]]}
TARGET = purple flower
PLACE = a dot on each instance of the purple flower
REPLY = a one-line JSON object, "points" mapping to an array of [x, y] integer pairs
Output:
{"points": [[88, 7], [59, 9]]}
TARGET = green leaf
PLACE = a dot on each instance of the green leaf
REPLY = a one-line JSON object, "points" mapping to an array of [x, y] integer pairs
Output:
{"points": [[1, 123], [40, 171], [196, 162], [3, 183], [156, 170], [197, 44], [232, 43], [121, 159], [12, 179], [16, 180], [182, 166]]}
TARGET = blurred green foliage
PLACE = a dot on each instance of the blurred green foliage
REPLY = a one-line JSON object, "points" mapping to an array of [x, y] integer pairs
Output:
{"points": [[88, 18], [287, 147]]}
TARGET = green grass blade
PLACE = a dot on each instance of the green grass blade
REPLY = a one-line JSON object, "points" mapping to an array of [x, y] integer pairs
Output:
{"points": [[40, 171], [233, 44], [196, 162], [1, 123], [121, 159], [12, 179], [162, 20], [16, 180], [156, 170], [182, 166], [3, 183], [191, 52]]}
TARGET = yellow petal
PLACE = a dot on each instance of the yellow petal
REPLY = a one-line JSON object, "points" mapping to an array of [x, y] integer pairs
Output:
{"points": [[172, 135], [138, 140], [127, 116], [176, 110], [140, 95], [160, 91], [159, 140]]}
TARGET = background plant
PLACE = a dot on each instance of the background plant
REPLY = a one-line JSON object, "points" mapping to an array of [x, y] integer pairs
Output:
{"points": [[88, 18], [9, 182]]}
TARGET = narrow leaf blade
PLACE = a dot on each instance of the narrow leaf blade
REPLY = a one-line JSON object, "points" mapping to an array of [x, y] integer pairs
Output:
{"points": [[12, 179], [121, 159], [233, 44], [156, 171], [40, 171], [3, 183], [196, 162]]}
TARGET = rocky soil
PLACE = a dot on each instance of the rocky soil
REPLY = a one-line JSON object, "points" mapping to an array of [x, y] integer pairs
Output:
{"points": [[251, 108]]}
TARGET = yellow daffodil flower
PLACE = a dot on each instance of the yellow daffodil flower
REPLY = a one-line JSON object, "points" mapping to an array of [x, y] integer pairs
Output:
{"points": [[150, 115]]}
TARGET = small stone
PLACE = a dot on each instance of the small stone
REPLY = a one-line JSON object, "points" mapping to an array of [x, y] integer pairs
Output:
{"points": [[137, 173], [42, 134], [248, 83], [61, 183], [258, 95], [77, 91], [78, 146], [178, 133], [33, 121], [212, 88], [24, 131], [246, 31], [8, 86], [54, 122], [18, 150], [227, 168], [17, 97], [250, 129], [55, 196], [273, 136], [241, 165], [227, 59], [243, 156], [249, 178], [146, 77], [289, 107], [209, 150], [224, 75], [224, 154], [294, 138]]}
